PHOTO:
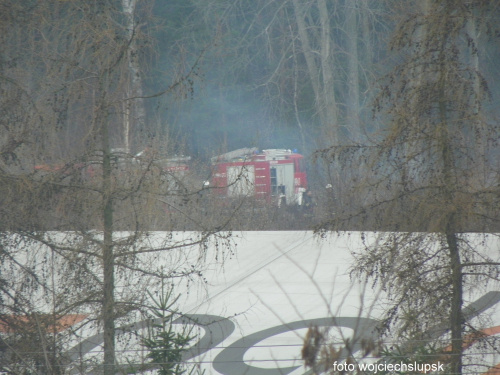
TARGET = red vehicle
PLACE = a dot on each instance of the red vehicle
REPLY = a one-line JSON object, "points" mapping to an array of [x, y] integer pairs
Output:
{"points": [[173, 169], [273, 176]]}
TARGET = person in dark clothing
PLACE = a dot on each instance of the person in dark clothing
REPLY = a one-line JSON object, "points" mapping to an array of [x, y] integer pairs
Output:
{"points": [[308, 201]]}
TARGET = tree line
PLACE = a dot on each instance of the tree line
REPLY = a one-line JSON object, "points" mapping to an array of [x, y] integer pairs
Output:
{"points": [[395, 102]]}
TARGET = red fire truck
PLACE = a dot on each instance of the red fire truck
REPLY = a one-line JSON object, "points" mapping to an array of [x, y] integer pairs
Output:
{"points": [[171, 169], [274, 176]]}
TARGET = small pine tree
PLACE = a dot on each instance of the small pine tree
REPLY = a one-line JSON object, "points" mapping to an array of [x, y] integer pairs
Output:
{"points": [[165, 345]]}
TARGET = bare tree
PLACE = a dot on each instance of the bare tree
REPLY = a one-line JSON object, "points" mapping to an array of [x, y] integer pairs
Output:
{"points": [[302, 57], [432, 174], [65, 168]]}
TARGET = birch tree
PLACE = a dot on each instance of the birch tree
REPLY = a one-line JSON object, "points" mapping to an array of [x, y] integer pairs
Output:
{"points": [[306, 61]]}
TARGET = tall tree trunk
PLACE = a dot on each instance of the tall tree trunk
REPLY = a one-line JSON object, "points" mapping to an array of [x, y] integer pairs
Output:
{"points": [[448, 165], [306, 47], [456, 317], [327, 100], [352, 66], [296, 93], [367, 32], [472, 33], [320, 74], [108, 302], [135, 102]]}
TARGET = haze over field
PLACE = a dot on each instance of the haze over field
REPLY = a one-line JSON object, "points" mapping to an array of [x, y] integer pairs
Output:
{"points": [[120, 118]]}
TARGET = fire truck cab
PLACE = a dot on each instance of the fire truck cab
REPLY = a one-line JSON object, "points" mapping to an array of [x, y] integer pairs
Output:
{"points": [[275, 176]]}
